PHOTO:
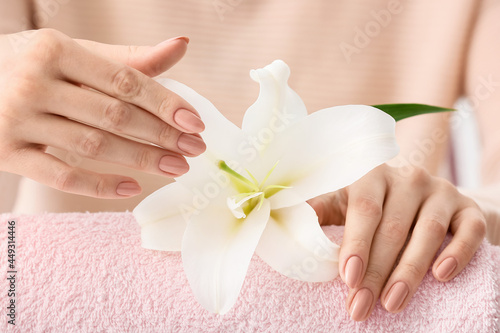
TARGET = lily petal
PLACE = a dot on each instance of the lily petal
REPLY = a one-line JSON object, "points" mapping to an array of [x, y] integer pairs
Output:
{"points": [[216, 251], [215, 122], [328, 150], [163, 217], [277, 106], [219, 147], [294, 245]]}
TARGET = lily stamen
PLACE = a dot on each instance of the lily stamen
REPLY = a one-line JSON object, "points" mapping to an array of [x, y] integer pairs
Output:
{"points": [[224, 167], [242, 204]]}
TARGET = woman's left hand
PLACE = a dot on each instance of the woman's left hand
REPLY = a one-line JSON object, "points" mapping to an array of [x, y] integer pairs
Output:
{"points": [[394, 225]]}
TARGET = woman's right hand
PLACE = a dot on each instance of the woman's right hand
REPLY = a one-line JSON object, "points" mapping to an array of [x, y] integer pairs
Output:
{"points": [[89, 99]]}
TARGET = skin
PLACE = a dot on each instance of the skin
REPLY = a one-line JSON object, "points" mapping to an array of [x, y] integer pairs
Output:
{"points": [[375, 202], [91, 99], [46, 82], [380, 227]]}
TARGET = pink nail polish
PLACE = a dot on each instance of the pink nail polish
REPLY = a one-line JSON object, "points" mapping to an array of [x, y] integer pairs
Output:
{"points": [[128, 189], [191, 144], [189, 121], [446, 268], [353, 271], [396, 296], [174, 165], [361, 304]]}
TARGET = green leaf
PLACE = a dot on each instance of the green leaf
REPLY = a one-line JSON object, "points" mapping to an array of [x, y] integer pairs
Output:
{"points": [[402, 111]]}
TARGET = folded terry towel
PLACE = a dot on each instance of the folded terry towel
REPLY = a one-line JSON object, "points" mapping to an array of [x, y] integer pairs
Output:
{"points": [[88, 273]]}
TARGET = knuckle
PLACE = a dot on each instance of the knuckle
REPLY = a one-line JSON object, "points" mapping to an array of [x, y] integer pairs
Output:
{"points": [[435, 225], [48, 33], [358, 243], [446, 188], [469, 203], [132, 50], [116, 116], [24, 86], [126, 83], [478, 227], [367, 206], [166, 108], [165, 134], [143, 159], [93, 144], [46, 46], [65, 180], [41, 57], [412, 269], [100, 188], [465, 249], [374, 274], [393, 228], [419, 177]]}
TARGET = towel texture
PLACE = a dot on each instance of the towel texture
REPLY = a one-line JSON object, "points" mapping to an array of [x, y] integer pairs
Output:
{"points": [[88, 273]]}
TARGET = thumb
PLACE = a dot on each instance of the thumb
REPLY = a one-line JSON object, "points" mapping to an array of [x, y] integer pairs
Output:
{"points": [[330, 208], [151, 60]]}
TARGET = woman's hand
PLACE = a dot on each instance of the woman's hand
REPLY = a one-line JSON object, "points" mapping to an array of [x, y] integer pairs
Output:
{"points": [[90, 99], [386, 214]]}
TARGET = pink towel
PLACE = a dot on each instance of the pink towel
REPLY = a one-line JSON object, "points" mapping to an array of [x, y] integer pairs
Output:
{"points": [[88, 273]]}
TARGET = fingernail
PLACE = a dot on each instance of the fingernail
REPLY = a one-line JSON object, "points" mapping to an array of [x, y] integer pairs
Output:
{"points": [[168, 41], [396, 296], [127, 189], [174, 165], [189, 121], [353, 270], [184, 38], [361, 304], [446, 268], [191, 144]]}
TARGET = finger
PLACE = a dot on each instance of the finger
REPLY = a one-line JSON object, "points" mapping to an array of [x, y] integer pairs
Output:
{"points": [[428, 235], [468, 228], [77, 64], [364, 210], [119, 117], [150, 60], [47, 169], [389, 239], [100, 145]]}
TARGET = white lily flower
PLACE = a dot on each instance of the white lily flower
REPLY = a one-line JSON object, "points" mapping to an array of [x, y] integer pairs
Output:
{"points": [[247, 193]]}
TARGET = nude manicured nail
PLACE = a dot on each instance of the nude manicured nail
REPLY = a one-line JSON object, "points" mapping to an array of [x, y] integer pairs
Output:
{"points": [[396, 296], [127, 189], [446, 268], [174, 165], [189, 121], [191, 144], [184, 38], [353, 271], [361, 304]]}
